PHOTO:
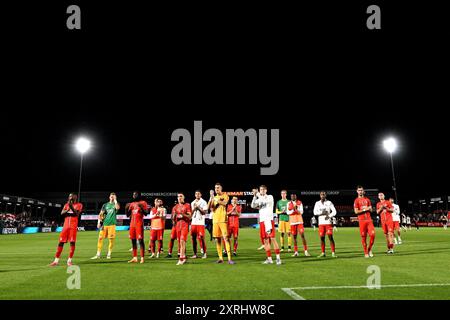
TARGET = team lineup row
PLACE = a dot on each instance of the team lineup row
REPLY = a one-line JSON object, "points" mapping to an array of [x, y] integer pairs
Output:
{"points": [[225, 224]]}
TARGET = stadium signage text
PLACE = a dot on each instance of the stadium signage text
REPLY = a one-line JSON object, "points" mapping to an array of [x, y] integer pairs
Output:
{"points": [[214, 152], [9, 231]]}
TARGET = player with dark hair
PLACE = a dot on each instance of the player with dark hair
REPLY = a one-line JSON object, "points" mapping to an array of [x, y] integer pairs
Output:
{"points": [[325, 211], [173, 236], [384, 210], [396, 220], [157, 217], [295, 213], [71, 211], [199, 210], [363, 208], [234, 211], [136, 210], [181, 214]]}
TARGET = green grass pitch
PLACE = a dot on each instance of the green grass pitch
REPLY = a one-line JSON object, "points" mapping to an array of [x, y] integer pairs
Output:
{"points": [[423, 258]]}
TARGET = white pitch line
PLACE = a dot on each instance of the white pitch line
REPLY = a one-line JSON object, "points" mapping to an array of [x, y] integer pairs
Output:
{"points": [[372, 287], [292, 294]]}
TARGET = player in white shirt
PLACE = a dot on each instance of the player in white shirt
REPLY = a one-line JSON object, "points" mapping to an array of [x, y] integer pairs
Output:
{"points": [[313, 222], [334, 222], [199, 210], [265, 203], [403, 217], [444, 221], [396, 219], [325, 210], [408, 222]]}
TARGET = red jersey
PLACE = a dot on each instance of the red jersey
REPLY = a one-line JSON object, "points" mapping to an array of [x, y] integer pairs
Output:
{"points": [[385, 215], [233, 220], [137, 215], [72, 221], [359, 204], [178, 209]]}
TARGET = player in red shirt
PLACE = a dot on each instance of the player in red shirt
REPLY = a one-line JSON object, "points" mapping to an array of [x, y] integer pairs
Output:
{"points": [[71, 211], [363, 208], [173, 237], [385, 209], [136, 210], [181, 214], [233, 213]]}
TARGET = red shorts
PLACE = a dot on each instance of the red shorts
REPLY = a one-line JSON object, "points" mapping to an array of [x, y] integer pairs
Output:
{"points": [[388, 226], [197, 231], [297, 228], [137, 232], [173, 233], [325, 229], [156, 234], [233, 231], [182, 230], [264, 234], [366, 228], [396, 225], [68, 235]]}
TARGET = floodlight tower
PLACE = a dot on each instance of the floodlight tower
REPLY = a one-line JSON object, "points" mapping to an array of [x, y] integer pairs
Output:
{"points": [[390, 145], [82, 145]]}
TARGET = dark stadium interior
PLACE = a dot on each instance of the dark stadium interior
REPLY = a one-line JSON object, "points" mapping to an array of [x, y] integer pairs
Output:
{"points": [[127, 87]]}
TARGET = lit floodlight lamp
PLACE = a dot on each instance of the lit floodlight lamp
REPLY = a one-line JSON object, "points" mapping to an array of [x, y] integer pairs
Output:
{"points": [[83, 145], [390, 145]]}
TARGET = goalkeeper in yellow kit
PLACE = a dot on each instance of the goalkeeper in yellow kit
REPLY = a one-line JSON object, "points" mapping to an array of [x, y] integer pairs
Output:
{"points": [[218, 204], [107, 224]]}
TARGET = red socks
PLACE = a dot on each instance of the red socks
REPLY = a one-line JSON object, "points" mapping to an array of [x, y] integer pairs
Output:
{"points": [[203, 245], [159, 246], [58, 252], [72, 251], [363, 241], [372, 240], [171, 246]]}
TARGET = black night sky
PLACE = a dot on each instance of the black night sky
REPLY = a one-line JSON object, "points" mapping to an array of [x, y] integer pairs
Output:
{"points": [[334, 93]]}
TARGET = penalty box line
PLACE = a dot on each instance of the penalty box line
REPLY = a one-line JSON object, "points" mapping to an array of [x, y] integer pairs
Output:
{"points": [[295, 296]]}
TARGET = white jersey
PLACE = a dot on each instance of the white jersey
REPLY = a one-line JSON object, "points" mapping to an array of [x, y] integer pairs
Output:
{"points": [[265, 206], [328, 206], [403, 218], [313, 220], [408, 220], [198, 219], [396, 213]]}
